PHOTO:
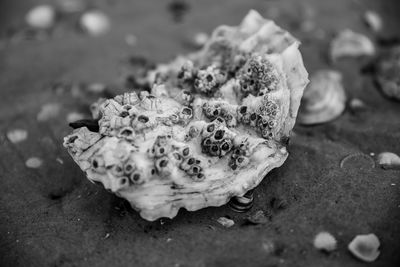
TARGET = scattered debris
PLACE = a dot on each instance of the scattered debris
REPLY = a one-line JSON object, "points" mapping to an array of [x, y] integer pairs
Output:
{"points": [[178, 8], [226, 222], [278, 203], [48, 111], [365, 247], [350, 44], [388, 160], [387, 73], [17, 135], [59, 160], [373, 20], [71, 6], [200, 39], [169, 240], [324, 98], [106, 236], [356, 104], [357, 155], [325, 241], [95, 23], [41, 17], [268, 246], [257, 217], [74, 116], [34, 162], [130, 39]]}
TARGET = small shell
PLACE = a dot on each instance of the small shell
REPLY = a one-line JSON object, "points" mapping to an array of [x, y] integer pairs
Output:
{"points": [[324, 98], [41, 17], [388, 160], [17, 135], [365, 247], [225, 222], [33, 163], [325, 241], [357, 104], [373, 20], [388, 73], [351, 44], [95, 23]]}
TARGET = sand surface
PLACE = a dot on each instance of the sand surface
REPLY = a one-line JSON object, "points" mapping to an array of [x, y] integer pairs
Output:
{"points": [[51, 215]]}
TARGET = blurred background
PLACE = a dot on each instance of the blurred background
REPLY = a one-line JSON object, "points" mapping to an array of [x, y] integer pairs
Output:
{"points": [[57, 57]]}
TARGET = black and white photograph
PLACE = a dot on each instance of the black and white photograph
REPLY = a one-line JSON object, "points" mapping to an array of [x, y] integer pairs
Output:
{"points": [[209, 133]]}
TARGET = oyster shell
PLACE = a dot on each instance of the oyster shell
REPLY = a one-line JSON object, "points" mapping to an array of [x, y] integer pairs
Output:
{"points": [[216, 122], [388, 73], [324, 98]]}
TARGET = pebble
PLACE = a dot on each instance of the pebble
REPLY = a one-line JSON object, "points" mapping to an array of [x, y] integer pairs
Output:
{"points": [[34, 162], [356, 104], [17, 135], [41, 17], [365, 247], [257, 217], [226, 222], [373, 20], [268, 246], [325, 241], [48, 111], [95, 23], [388, 160]]}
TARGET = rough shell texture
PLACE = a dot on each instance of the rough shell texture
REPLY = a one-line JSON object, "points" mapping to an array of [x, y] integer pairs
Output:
{"points": [[351, 44], [216, 122], [388, 73], [324, 98], [365, 247]]}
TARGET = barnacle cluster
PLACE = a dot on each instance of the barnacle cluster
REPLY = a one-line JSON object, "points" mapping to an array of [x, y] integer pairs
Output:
{"points": [[210, 128], [263, 118], [216, 139], [258, 76]]}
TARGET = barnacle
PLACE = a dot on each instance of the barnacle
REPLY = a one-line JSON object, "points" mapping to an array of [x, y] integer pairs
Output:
{"points": [[199, 137]]}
